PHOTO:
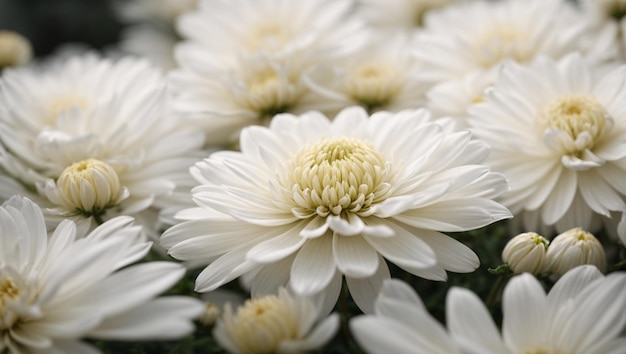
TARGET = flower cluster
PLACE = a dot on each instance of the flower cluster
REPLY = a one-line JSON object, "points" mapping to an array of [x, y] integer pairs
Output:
{"points": [[278, 165]]}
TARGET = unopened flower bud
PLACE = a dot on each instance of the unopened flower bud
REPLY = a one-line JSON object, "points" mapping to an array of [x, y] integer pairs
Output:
{"points": [[573, 248], [526, 253], [89, 186], [14, 49]]}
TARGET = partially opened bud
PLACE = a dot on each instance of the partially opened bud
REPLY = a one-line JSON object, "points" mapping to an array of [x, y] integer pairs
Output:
{"points": [[14, 49], [526, 253], [573, 248], [89, 187]]}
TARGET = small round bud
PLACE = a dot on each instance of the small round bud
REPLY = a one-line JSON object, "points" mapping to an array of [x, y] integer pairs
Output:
{"points": [[526, 253], [210, 314], [89, 186], [14, 49], [573, 248]]}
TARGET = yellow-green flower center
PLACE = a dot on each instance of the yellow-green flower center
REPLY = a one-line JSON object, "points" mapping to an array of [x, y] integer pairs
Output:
{"points": [[261, 324], [336, 176], [89, 186], [372, 84], [575, 115], [8, 292], [499, 43]]}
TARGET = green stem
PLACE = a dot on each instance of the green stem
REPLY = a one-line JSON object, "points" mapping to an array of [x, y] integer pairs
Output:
{"points": [[496, 290]]}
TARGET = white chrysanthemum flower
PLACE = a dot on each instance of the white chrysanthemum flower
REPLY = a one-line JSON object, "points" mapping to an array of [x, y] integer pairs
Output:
{"points": [[285, 323], [15, 50], [403, 15], [380, 76], [481, 35], [308, 200], [526, 252], [573, 248], [558, 132], [96, 138], [56, 290], [583, 313]]}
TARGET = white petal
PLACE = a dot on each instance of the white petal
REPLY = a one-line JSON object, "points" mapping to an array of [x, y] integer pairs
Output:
{"points": [[319, 336], [525, 311], [354, 256], [271, 277], [277, 247], [400, 291], [313, 267], [404, 248], [365, 290], [470, 323], [450, 253]]}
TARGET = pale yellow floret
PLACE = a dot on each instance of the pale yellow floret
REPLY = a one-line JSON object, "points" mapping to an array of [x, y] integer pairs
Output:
{"points": [[266, 35], [500, 43], [261, 324], [338, 175], [65, 103], [14, 49], [543, 350], [8, 292], [372, 84], [89, 186]]}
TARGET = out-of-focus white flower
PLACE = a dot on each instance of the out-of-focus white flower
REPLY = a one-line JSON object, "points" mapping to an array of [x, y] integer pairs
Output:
{"points": [[59, 289], [214, 303], [481, 35], [573, 248], [308, 200], [558, 132], [151, 32], [285, 323], [381, 75], [607, 16], [242, 75], [96, 138], [399, 15], [15, 50], [583, 313], [526, 253]]}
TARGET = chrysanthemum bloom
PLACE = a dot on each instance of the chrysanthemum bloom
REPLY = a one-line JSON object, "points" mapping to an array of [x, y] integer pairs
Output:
{"points": [[275, 324], [583, 313], [308, 200], [56, 290], [481, 35], [380, 76], [246, 73], [526, 252], [95, 138], [399, 15], [15, 50], [573, 248], [558, 132]]}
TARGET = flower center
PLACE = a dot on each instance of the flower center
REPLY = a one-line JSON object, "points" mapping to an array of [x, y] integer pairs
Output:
{"points": [[372, 84], [338, 175], [502, 43], [269, 93], [89, 186], [543, 350], [9, 292], [262, 323], [267, 35], [65, 103], [575, 115], [615, 9], [14, 49]]}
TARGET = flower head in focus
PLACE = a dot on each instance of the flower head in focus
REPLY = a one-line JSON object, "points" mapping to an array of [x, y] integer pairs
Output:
{"points": [[558, 132], [584, 312], [283, 323], [95, 138], [308, 200], [56, 290]]}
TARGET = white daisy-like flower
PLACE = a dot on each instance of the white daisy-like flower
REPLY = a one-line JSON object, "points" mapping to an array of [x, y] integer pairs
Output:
{"points": [[308, 200], [583, 313], [59, 289], [481, 35], [558, 132], [526, 252], [399, 15], [283, 323], [96, 138], [382, 75]]}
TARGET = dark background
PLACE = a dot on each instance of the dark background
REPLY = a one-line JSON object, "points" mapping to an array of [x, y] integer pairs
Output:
{"points": [[49, 23]]}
